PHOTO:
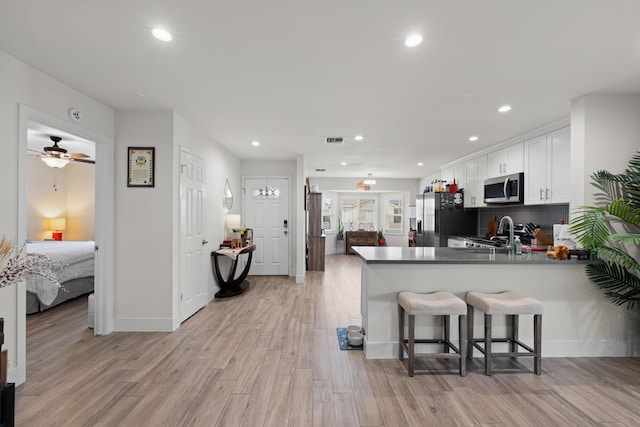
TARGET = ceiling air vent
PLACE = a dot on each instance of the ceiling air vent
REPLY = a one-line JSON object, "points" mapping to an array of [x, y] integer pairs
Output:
{"points": [[334, 140], [321, 170]]}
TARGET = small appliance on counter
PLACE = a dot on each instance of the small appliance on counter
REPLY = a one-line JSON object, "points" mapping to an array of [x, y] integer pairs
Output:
{"points": [[562, 237]]}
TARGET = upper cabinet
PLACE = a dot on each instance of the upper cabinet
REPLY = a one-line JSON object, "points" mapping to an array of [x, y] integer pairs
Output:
{"points": [[453, 171], [506, 161], [475, 172], [546, 167]]}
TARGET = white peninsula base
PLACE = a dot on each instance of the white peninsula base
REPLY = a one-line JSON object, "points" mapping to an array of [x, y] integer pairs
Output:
{"points": [[578, 320]]}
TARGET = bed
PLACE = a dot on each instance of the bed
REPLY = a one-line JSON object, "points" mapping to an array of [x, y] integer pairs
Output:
{"points": [[76, 275]]}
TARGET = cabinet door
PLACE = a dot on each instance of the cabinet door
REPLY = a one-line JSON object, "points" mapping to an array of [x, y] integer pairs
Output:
{"points": [[452, 172], [495, 163], [535, 178], [474, 176], [514, 157], [559, 176], [506, 161]]}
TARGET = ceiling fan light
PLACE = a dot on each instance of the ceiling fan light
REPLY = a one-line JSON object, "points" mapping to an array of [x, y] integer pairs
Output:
{"points": [[362, 186], [55, 162]]}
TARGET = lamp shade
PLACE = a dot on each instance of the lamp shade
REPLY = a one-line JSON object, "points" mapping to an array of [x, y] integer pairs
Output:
{"points": [[57, 224], [233, 221], [55, 162]]}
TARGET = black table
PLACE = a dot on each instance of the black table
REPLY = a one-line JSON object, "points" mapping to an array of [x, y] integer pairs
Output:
{"points": [[232, 286]]}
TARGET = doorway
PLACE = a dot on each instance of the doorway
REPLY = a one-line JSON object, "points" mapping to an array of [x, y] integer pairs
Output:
{"points": [[267, 211], [104, 222]]}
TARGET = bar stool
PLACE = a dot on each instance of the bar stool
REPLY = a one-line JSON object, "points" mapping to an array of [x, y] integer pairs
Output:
{"points": [[435, 304], [511, 304]]}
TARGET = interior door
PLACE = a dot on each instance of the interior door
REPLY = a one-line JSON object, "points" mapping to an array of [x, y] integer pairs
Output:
{"points": [[193, 261], [266, 211]]}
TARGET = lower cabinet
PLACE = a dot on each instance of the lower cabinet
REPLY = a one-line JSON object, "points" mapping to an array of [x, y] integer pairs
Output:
{"points": [[315, 261], [361, 238]]}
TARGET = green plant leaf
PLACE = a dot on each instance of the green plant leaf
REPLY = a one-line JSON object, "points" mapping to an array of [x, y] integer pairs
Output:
{"points": [[590, 229], [617, 257], [626, 238], [621, 286], [623, 210]]}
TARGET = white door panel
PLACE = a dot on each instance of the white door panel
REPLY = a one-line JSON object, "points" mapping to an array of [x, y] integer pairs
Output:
{"points": [[266, 210], [193, 262]]}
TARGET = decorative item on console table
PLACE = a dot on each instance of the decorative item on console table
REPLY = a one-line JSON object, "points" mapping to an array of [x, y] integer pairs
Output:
{"points": [[381, 239]]}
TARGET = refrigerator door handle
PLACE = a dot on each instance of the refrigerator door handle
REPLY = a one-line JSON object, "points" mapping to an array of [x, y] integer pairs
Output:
{"points": [[419, 226]]}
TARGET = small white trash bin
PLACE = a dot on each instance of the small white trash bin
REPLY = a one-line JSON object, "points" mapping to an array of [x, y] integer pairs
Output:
{"points": [[92, 310]]}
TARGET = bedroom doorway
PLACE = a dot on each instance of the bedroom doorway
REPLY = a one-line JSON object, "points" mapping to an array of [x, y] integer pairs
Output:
{"points": [[103, 221]]}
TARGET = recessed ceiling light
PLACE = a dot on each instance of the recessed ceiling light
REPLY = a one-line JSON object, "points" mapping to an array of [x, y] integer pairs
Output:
{"points": [[420, 164], [255, 143], [504, 108], [343, 164], [413, 40], [161, 34], [473, 138], [359, 137]]}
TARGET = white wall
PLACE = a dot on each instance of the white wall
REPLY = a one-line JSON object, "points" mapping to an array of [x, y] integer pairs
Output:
{"points": [[605, 133], [81, 204], [144, 218], [21, 84]]}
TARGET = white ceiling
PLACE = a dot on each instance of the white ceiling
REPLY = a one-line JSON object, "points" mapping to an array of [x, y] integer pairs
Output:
{"points": [[289, 73]]}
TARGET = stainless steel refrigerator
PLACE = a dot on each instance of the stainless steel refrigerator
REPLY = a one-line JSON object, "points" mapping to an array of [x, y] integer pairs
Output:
{"points": [[440, 215]]}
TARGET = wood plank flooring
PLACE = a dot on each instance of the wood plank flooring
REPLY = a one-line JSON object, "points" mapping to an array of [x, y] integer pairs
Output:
{"points": [[270, 357]]}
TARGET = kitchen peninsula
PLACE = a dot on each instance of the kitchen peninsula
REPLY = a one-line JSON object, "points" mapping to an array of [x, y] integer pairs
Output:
{"points": [[578, 320]]}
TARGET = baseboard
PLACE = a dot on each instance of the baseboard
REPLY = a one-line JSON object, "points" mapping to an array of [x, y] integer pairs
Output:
{"points": [[300, 278], [144, 325]]}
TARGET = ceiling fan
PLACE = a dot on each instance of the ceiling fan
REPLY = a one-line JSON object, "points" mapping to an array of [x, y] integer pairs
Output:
{"points": [[57, 157]]}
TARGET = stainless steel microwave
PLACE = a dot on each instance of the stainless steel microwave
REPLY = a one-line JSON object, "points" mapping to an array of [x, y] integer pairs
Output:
{"points": [[504, 189]]}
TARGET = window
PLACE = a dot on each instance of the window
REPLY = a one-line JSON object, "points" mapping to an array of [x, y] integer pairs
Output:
{"points": [[358, 214], [328, 217], [392, 215]]}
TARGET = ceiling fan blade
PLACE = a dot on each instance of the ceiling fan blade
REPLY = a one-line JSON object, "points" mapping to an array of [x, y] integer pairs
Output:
{"points": [[78, 155], [93, 162]]}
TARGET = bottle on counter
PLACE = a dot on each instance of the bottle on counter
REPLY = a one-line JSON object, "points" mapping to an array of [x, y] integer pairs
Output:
{"points": [[517, 245]]}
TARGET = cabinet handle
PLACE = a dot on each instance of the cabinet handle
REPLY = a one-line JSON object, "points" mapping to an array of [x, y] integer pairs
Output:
{"points": [[541, 194], [546, 193]]}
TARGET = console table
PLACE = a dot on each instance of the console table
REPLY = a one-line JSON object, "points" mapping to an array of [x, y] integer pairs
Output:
{"points": [[232, 286]]}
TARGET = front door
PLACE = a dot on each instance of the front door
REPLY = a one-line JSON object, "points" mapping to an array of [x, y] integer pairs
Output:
{"points": [[192, 257], [266, 211]]}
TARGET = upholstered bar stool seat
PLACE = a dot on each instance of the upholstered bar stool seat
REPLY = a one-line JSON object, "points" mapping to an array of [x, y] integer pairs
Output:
{"points": [[511, 304], [435, 304]]}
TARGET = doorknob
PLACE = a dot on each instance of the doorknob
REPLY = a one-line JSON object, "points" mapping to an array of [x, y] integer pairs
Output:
{"points": [[285, 232], [204, 242]]}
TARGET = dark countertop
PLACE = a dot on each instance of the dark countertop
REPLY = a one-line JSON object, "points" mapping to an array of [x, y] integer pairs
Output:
{"points": [[421, 255]]}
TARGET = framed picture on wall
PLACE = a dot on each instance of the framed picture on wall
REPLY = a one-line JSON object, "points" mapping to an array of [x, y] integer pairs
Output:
{"points": [[141, 165]]}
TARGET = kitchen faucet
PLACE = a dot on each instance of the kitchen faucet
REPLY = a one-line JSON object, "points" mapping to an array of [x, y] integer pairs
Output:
{"points": [[510, 246]]}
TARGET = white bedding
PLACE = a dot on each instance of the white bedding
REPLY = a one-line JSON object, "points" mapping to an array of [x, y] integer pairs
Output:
{"points": [[77, 257]]}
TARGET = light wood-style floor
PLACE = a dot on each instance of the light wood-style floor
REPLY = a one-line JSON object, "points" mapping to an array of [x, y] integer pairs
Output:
{"points": [[270, 357]]}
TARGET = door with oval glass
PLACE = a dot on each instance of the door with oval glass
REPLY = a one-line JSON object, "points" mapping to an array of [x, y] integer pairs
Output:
{"points": [[266, 211]]}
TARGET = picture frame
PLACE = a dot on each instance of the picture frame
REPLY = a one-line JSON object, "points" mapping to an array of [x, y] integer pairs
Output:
{"points": [[141, 166]]}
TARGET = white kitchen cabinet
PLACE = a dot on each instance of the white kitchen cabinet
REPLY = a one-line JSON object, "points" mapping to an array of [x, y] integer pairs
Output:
{"points": [[475, 172], [453, 171], [546, 167], [506, 161]]}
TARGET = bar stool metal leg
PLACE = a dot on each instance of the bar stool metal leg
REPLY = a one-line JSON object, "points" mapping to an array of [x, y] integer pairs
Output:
{"points": [[462, 337], [514, 324], [447, 333], [470, 339], [412, 344], [537, 344], [400, 333], [487, 344]]}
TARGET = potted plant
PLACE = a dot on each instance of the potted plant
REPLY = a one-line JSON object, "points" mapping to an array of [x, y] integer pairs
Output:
{"points": [[381, 240], [612, 233], [340, 235]]}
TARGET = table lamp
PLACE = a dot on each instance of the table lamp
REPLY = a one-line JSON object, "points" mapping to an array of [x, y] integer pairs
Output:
{"points": [[233, 221], [57, 225]]}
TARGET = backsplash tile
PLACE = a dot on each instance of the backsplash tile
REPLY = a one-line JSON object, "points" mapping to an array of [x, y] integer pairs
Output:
{"points": [[543, 215]]}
